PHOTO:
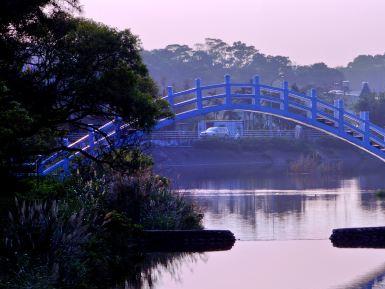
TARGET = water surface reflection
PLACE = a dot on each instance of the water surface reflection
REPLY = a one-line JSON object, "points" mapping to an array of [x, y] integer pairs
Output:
{"points": [[283, 223], [282, 265], [290, 216]]}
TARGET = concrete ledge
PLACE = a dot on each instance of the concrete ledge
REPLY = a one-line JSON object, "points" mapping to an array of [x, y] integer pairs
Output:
{"points": [[187, 240], [370, 237]]}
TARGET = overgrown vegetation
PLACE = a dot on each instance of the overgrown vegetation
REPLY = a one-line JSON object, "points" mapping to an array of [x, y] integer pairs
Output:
{"points": [[63, 240], [60, 74]]}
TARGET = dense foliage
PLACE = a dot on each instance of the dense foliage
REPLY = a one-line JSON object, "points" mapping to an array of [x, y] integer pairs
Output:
{"points": [[179, 64], [375, 104], [370, 68], [60, 73], [80, 233]]}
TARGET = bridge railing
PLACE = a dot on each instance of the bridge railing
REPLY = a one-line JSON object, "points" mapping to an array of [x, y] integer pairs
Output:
{"points": [[188, 138], [254, 96], [97, 139]]}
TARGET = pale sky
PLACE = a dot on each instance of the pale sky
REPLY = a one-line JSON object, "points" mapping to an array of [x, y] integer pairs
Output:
{"points": [[308, 31]]}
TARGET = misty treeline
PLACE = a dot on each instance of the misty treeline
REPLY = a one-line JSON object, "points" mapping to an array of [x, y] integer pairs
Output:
{"points": [[178, 65]]}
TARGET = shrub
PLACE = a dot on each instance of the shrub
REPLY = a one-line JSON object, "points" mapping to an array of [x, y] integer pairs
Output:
{"points": [[83, 232], [380, 194], [313, 163], [148, 201], [305, 164], [42, 188]]}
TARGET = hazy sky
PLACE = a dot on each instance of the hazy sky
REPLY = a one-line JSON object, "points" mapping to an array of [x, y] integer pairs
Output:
{"points": [[308, 31]]}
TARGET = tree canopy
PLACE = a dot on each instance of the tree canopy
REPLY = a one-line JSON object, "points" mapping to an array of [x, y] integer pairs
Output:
{"points": [[180, 64], [57, 70], [375, 104], [370, 68]]}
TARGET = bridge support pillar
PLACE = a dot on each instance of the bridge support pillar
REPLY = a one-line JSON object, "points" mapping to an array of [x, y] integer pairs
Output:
{"points": [[170, 97], [257, 92], [228, 89], [285, 97], [365, 126], [313, 105], [201, 126], [339, 114], [198, 93]]}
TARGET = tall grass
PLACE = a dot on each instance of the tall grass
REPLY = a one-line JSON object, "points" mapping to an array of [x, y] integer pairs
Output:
{"points": [[313, 163], [85, 234], [38, 240]]}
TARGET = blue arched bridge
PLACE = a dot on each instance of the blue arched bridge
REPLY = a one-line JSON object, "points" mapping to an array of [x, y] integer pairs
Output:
{"points": [[305, 109]]}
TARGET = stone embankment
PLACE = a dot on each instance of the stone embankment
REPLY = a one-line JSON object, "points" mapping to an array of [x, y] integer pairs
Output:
{"points": [[370, 237], [187, 240]]}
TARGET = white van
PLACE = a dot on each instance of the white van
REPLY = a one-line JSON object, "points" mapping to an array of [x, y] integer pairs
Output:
{"points": [[215, 131]]}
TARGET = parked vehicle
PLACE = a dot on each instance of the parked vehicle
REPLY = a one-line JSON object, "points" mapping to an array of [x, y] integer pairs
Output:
{"points": [[215, 131]]}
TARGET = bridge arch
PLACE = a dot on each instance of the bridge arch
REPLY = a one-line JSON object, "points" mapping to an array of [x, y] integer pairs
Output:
{"points": [[305, 109], [353, 141]]}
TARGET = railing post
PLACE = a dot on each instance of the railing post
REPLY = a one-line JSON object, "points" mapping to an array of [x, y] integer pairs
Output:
{"points": [[198, 93], [364, 116], [339, 113], [257, 91], [66, 161], [228, 89], [285, 97], [91, 139], [170, 96], [313, 95], [118, 130]]}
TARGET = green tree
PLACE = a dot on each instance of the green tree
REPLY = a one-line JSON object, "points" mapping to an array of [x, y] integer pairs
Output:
{"points": [[58, 72], [215, 58], [370, 68], [375, 104]]}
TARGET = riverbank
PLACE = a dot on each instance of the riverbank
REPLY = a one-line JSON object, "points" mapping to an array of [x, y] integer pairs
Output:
{"points": [[277, 154]]}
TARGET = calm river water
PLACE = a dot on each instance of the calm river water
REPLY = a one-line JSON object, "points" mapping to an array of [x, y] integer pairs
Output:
{"points": [[282, 223]]}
